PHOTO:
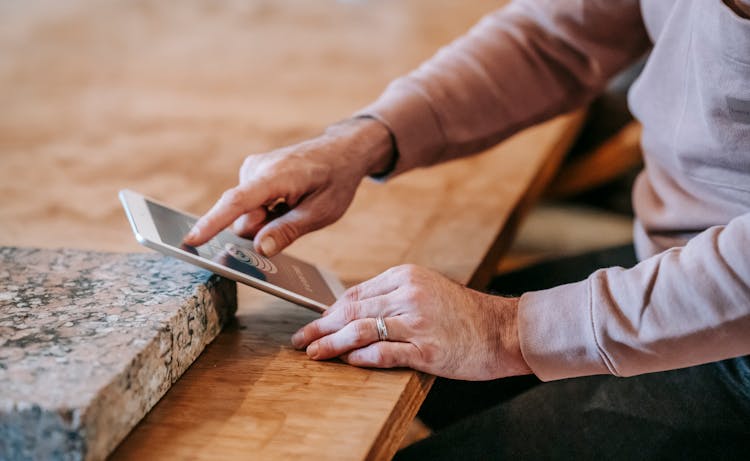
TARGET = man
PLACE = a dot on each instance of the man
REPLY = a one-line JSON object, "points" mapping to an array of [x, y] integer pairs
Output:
{"points": [[686, 303]]}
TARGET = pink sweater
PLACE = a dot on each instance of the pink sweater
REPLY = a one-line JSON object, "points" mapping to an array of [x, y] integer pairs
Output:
{"points": [[688, 301]]}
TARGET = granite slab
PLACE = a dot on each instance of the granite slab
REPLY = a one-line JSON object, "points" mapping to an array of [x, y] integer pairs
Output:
{"points": [[90, 341]]}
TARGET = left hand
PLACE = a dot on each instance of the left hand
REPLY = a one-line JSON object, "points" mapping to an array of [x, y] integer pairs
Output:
{"points": [[434, 325]]}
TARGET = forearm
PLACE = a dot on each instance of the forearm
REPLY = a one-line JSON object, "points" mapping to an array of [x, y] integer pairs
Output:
{"points": [[683, 307], [741, 7], [517, 67]]}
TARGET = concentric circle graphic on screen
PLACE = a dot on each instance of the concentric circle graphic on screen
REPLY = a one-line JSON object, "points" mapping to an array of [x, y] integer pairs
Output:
{"points": [[250, 257]]}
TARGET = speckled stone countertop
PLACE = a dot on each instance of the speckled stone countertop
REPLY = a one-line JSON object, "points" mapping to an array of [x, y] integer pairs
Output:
{"points": [[89, 342]]}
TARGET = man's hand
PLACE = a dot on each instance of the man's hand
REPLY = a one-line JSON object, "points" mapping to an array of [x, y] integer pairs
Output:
{"points": [[434, 325], [316, 179], [742, 8]]}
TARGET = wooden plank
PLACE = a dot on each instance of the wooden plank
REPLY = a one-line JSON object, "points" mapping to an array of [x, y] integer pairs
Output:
{"points": [[167, 101], [406, 408], [557, 142], [275, 320], [250, 394]]}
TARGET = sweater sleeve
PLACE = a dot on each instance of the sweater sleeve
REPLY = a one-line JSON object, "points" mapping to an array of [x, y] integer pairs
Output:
{"points": [[519, 66], [686, 306]]}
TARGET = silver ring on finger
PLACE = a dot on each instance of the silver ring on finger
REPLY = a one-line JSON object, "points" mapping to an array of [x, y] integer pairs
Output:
{"points": [[382, 329]]}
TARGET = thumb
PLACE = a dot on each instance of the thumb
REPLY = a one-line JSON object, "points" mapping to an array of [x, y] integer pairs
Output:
{"points": [[282, 231]]}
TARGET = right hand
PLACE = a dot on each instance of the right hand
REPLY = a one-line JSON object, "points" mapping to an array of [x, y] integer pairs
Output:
{"points": [[316, 178]]}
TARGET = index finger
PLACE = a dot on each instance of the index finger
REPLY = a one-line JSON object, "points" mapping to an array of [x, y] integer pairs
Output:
{"points": [[382, 284], [368, 308], [233, 203]]}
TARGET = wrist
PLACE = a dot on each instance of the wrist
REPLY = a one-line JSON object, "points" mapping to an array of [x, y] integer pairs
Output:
{"points": [[506, 339], [383, 155], [379, 150]]}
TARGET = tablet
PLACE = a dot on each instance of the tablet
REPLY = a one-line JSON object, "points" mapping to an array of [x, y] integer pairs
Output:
{"points": [[159, 227]]}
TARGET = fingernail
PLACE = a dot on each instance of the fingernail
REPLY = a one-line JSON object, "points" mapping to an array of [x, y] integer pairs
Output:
{"points": [[193, 234], [268, 245], [312, 351], [298, 339]]}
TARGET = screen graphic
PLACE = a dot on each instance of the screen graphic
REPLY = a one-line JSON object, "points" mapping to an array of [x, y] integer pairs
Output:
{"points": [[237, 253]]}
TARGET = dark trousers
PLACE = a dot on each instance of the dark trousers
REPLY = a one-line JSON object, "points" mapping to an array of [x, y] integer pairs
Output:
{"points": [[694, 413]]}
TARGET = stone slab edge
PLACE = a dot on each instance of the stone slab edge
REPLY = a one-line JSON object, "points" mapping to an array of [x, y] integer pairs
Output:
{"points": [[93, 431]]}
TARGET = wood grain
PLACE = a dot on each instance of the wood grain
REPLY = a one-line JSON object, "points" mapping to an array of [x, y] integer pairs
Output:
{"points": [[558, 142], [251, 395], [167, 100]]}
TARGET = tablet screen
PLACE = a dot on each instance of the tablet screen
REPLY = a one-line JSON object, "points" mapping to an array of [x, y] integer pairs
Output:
{"points": [[237, 253]]}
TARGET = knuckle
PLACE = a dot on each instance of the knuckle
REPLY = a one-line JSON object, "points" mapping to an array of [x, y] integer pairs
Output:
{"points": [[412, 294], [325, 347], [286, 232], [255, 168], [266, 169], [391, 361], [402, 269], [395, 270], [427, 355], [233, 197], [411, 359], [351, 311], [411, 269], [388, 358], [353, 293], [252, 160], [265, 172], [410, 272], [248, 165], [312, 330], [418, 322], [361, 331], [378, 356]]}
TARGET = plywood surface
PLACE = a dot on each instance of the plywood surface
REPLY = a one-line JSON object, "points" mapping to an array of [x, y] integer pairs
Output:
{"points": [[167, 100]]}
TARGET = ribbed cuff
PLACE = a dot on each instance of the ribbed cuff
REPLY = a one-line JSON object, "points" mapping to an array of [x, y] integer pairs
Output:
{"points": [[407, 113], [556, 332]]}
